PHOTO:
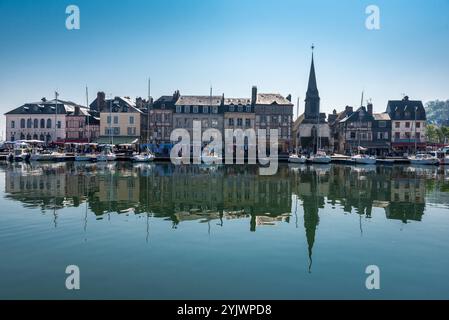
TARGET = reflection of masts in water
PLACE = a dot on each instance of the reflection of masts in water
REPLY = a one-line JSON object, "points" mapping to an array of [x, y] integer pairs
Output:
{"points": [[360, 222], [148, 212]]}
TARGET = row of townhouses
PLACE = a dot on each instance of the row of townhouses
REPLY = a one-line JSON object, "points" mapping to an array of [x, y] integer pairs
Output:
{"points": [[122, 120]]}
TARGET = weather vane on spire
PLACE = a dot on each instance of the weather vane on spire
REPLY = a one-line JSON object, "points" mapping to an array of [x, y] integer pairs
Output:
{"points": [[313, 47]]}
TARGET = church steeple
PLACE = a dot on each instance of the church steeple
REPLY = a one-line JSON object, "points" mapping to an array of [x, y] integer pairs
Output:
{"points": [[312, 108]]}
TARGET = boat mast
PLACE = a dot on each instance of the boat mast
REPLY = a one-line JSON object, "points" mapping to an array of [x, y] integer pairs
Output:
{"points": [[416, 109], [110, 121], [88, 115], [56, 114], [148, 111]]}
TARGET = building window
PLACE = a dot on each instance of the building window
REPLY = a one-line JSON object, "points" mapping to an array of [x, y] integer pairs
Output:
{"points": [[263, 119], [382, 124], [397, 124], [205, 109], [116, 130], [186, 109], [231, 108], [178, 109], [108, 120], [48, 123], [231, 121], [408, 135], [36, 124], [407, 124], [418, 125], [29, 124], [240, 108], [239, 122], [115, 119], [214, 123], [131, 131], [195, 109], [131, 120], [397, 135], [13, 124], [248, 122], [22, 123], [215, 110], [418, 135], [248, 108], [352, 135], [42, 125], [58, 124]]}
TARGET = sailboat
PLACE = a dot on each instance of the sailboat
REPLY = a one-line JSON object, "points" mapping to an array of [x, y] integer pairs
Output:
{"points": [[361, 158]]}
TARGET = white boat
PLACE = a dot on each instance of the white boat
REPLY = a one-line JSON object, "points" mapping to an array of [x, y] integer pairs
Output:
{"points": [[21, 152], [424, 159], [45, 156], [320, 157], [106, 156], [143, 157], [363, 159], [85, 157], [294, 158]]}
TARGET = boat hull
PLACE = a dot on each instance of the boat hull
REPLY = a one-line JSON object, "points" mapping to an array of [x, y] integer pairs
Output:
{"points": [[321, 160], [427, 162], [367, 161]]}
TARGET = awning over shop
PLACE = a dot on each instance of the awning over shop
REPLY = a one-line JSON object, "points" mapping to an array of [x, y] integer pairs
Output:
{"points": [[117, 140]]}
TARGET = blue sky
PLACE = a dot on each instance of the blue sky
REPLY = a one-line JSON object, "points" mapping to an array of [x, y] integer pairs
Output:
{"points": [[231, 44]]}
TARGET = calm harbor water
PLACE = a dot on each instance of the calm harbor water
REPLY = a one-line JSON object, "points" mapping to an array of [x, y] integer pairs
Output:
{"points": [[158, 231]]}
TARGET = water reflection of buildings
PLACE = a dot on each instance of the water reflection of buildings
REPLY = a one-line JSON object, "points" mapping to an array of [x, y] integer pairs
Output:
{"points": [[230, 191], [186, 193]]}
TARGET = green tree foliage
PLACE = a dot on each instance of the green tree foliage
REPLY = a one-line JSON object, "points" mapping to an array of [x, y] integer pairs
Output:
{"points": [[438, 112], [437, 134]]}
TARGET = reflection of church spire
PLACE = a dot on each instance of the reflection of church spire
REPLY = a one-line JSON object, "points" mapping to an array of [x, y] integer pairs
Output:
{"points": [[311, 218]]}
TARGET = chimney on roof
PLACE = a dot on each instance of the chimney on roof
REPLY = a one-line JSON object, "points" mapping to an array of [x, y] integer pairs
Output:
{"points": [[349, 109], [405, 98], [176, 95], [254, 95], [289, 98], [370, 108], [77, 111], [44, 99]]}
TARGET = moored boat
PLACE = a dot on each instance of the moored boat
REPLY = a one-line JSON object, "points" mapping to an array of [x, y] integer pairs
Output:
{"points": [[294, 158], [363, 159], [143, 157], [424, 159], [106, 156], [320, 157]]}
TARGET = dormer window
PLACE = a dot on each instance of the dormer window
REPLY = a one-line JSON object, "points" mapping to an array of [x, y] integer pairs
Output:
{"points": [[231, 108]]}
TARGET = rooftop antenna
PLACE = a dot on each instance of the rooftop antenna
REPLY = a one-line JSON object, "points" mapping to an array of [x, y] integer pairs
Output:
{"points": [[361, 101]]}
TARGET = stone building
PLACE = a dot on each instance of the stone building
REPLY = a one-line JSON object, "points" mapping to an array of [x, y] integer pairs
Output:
{"points": [[206, 109], [161, 118], [273, 111], [44, 120]]}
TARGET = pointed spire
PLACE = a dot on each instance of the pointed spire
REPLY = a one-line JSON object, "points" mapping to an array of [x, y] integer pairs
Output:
{"points": [[312, 88]]}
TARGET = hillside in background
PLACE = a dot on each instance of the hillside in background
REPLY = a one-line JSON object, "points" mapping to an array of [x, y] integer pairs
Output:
{"points": [[438, 112]]}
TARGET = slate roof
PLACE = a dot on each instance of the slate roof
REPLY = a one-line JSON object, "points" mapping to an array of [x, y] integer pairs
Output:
{"points": [[199, 101], [361, 114], [48, 107], [272, 98], [381, 116], [405, 109], [237, 101]]}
